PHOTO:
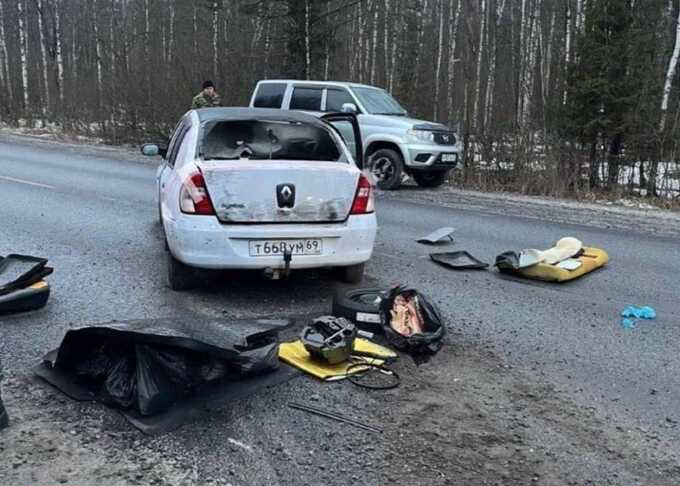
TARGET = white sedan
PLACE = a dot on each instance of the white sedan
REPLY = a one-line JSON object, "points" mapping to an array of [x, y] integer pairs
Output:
{"points": [[270, 190]]}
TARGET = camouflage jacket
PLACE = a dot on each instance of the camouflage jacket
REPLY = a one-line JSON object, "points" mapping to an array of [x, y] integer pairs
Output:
{"points": [[203, 101]]}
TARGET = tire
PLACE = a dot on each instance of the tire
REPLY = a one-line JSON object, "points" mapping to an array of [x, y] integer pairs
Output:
{"points": [[360, 306], [352, 274], [434, 178], [387, 166], [181, 276]]}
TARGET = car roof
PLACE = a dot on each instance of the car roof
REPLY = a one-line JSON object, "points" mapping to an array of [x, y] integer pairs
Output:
{"points": [[239, 113], [319, 83]]}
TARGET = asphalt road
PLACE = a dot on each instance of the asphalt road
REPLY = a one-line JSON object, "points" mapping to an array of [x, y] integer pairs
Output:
{"points": [[91, 211]]}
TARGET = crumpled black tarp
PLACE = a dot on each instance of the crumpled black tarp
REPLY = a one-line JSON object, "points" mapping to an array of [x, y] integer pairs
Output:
{"points": [[155, 367], [4, 418], [19, 271]]}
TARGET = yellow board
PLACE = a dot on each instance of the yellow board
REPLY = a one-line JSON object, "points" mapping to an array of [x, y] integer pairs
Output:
{"points": [[591, 259], [297, 356]]}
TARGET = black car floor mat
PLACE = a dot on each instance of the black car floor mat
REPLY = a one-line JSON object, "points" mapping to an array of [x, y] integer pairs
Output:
{"points": [[22, 300], [458, 260], [157, 371], [19, 271], [211, 397]]}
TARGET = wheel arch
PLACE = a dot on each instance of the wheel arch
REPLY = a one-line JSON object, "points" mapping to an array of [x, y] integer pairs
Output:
{"points": [[374, 145]]}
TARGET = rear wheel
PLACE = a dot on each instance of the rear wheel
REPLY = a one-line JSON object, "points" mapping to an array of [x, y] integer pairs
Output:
{"points": [[352, 274], [387, 166], [434, 178], [181, 276]]}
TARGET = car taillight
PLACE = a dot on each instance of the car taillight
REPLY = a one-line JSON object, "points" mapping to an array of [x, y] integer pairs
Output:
{"points": [[363, 201], [193, 197]]}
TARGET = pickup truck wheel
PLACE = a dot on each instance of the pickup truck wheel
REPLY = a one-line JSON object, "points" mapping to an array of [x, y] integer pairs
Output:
{"points": [[387, 166], [352, 274], [181, 276], [433, 178]]}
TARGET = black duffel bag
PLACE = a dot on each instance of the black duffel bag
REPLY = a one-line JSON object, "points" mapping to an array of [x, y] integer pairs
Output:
{"points": [[430, 340]]}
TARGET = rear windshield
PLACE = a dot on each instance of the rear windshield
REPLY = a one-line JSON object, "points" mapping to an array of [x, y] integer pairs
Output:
{"points": [[262, 139]]}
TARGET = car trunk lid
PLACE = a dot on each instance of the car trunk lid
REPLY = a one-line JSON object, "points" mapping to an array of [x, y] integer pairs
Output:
{"points": [[280, 191]]}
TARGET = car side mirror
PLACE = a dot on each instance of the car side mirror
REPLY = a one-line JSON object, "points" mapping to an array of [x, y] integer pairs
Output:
{"points": [[350, 108], [152, 150]]}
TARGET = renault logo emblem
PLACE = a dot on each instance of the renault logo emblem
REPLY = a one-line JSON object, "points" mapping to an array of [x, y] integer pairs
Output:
{"points": [[285, 195]]}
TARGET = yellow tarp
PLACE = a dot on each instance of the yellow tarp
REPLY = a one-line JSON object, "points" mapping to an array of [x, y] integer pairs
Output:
{"points": [[591, 259], [297, 356]]}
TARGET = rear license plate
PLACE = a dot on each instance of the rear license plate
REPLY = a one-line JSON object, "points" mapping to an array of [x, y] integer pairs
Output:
{"points": [[279, 247], [449, 157]]}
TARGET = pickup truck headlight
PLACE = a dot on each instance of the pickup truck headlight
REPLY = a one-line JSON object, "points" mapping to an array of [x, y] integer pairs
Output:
{"points": [[420, 136]]}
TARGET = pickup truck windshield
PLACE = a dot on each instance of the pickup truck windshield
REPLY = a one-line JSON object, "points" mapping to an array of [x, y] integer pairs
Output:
{"points": [[378, 101], [264, 140]]}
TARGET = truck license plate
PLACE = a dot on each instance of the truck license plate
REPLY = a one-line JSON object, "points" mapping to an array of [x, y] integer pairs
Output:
{"points": [[449, 157], [279, 247]]}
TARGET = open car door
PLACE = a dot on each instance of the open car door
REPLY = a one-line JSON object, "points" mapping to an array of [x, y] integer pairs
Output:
{"points": [[347, 126]]}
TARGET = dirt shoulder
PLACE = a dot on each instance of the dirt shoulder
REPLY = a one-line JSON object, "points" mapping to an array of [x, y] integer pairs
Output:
{"points": [[627, 215], [463, 418]]}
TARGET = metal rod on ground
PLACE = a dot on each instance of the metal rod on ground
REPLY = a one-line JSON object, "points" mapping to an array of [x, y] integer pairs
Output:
{"points": [[334, 416]]}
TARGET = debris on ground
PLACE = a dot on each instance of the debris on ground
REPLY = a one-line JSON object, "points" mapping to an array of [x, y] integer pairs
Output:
{"points": [[442, 235], [22, 287], [4, 418], [158, 371], [411, 322], [373, 376], [334, 416], [364, 351], [632, 313], [458, 260], [329, 339], [565, 261], [360, 306]]}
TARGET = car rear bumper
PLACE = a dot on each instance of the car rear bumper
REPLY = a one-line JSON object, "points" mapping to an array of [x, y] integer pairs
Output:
{"points": [[202, 241]]}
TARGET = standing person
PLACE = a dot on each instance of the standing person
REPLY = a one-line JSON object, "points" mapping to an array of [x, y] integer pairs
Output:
{"points": [[207, 98]]}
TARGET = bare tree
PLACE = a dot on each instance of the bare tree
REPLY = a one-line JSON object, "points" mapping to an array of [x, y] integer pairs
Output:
{"points": [[670, 74], [57, 51], [454, 20], [440, 52], [480, 56], [4, 56], [23, 49]]}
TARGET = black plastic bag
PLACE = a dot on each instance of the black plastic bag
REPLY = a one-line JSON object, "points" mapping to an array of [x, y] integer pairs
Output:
{"points": [[120, 387], [428, 342]]}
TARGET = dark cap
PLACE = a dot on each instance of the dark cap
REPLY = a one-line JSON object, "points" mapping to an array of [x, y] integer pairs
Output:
{"points": [[208, 84]]}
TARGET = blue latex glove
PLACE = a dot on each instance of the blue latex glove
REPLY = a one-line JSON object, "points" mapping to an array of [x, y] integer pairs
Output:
{"points": [[645, 312], [628, 323]]}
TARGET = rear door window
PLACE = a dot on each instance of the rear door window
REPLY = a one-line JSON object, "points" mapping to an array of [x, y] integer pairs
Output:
{"points": [[269, 140], [174, 151], [269, 95], [177, 135], [306, 99], [336, 98]]}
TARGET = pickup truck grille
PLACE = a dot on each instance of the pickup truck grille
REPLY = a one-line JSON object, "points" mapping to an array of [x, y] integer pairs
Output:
{"points": [[445, 138]]}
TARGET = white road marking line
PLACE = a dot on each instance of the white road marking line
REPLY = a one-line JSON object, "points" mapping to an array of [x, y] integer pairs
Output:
{"points": [[30, 183]]}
